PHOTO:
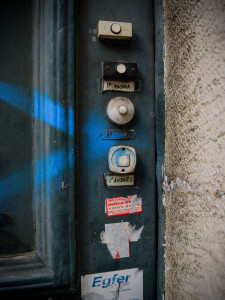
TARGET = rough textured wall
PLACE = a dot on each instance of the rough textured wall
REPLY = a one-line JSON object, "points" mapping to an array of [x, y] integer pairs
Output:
{"points": [[195, 149]]}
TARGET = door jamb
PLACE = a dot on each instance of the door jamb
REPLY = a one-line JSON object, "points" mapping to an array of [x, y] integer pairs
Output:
{"points": [[160, 139]]}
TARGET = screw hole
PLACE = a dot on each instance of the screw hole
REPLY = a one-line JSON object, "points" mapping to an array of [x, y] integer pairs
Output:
{"points": [[123, 149], [123, 170]]}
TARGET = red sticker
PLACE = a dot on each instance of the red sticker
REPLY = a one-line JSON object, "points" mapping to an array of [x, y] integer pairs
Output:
{"points": [[123, 206]]}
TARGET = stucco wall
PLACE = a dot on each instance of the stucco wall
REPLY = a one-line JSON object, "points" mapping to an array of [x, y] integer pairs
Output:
{"points": [[195, 149]]}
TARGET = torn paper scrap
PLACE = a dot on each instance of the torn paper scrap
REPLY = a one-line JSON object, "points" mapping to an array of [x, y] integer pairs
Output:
{"points": [[117, 237], [135, 234]]}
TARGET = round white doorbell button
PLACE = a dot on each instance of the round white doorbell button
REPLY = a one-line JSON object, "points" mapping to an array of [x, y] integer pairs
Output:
{"points": [[123, 110], [120, 110], [121, 68], [115, 28]]}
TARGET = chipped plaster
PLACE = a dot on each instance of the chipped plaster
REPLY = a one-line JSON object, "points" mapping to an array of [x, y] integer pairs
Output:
{"points": [[194, 184]]}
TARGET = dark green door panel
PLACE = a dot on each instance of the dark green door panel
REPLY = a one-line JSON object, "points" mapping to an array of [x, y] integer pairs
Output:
{"points": [[52, 156], [93, 151]]}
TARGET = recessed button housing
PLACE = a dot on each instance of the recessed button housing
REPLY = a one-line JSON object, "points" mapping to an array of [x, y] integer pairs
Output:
{"points": [[122, 159]]}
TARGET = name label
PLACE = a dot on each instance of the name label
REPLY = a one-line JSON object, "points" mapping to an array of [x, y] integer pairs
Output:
{"points": [[119, 180], [108, 85]]}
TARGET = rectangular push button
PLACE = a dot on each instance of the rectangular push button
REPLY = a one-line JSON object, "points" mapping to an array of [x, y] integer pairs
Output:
{"points": [[114, 30]]}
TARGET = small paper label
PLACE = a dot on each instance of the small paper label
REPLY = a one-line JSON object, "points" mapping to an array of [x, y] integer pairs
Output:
{"points": [[123, 285], [118, 86], [118, 180], [123, 206]]}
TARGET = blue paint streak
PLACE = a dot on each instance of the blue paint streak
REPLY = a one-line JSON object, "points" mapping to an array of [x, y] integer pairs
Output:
{"points": [[43, 108], [49, 112], [16, 97], [46, 169], [71, 122], [15, 184], [94, 147], [49, 167]]}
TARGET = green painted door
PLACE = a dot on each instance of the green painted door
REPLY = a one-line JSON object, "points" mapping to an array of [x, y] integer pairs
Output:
{"points": [[114, 237]]}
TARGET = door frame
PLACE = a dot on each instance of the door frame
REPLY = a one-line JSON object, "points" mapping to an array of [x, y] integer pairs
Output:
{"points": [[50, 269], [160, 120]]}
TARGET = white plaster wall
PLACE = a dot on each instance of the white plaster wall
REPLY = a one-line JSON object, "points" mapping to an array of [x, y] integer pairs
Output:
{"points": [[195, 149]]}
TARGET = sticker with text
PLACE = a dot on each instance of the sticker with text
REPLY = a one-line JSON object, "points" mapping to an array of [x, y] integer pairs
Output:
{"points": [[123, 285], [123, 206]]}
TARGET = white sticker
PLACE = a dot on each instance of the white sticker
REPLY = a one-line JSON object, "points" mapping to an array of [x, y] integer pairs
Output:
{"points": [[119, 285], [117, 237], [108, 85], [119, 180]]}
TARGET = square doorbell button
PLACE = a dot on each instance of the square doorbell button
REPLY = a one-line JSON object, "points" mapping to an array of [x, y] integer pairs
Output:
{"points": [[122, 159]]}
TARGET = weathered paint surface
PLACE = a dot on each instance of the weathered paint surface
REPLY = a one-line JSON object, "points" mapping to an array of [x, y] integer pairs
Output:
{"points": [[195, 149]]}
